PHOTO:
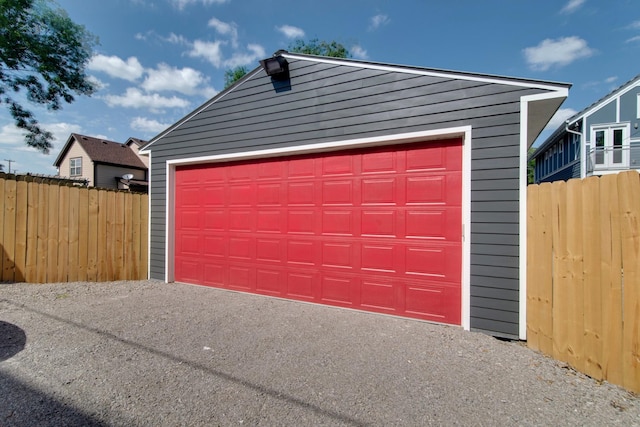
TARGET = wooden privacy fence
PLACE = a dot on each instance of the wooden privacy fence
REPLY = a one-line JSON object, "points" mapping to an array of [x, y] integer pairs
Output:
{"points": [[58, 233], [583, 276]]}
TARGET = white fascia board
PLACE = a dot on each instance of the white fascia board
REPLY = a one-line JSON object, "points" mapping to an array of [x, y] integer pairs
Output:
{"points": [[434, 73], [169, 272], [149, 223], [522, 176], [326, 146], [388, 140]]}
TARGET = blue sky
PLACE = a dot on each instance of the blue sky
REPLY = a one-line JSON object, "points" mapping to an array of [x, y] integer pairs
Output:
{"points": [[157, 60]]}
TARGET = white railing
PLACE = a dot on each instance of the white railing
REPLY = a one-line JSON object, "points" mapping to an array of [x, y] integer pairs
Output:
{"points": [[612, 159]]}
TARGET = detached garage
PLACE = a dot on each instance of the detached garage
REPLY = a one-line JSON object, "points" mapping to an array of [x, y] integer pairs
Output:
{"points": [[376, 187]]}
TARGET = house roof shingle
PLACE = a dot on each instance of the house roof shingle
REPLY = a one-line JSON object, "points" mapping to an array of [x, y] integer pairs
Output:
{"points": [[104, 151]]}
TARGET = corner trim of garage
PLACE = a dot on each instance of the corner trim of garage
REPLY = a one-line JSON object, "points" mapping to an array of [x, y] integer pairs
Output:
{"points": [[462, 131]]}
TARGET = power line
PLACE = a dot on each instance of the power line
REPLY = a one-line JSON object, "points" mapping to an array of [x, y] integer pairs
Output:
{"points": [[9, 161]]}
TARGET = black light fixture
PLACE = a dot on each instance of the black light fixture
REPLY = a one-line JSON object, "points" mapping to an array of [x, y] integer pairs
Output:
{"points": [[276, 67]]}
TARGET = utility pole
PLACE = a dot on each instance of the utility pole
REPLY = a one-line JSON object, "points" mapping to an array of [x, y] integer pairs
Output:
{"points": [[9, 161]]}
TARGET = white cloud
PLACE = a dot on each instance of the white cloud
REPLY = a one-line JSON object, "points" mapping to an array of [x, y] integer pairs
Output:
{"points": [[559, 53], [378, 21], [166, 78], [211, 51], [135, 98], [181, 4], [560, 117], [130, 70], [611, 79], [255, 53], [358, 52], [225, 29], [176, 39], [572, 6], [634, 25], [97, 83], [143, 124], [633, 39], [291, 32]]}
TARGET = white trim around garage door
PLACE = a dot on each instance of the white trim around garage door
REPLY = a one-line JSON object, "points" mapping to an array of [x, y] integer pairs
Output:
{"points": [[463, 131]]}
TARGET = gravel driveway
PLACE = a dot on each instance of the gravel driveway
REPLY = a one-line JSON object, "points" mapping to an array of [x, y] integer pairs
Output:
{"points": [[149, 353]]}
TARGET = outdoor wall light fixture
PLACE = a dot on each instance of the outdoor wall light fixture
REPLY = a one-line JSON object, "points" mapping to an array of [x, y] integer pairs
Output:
{"points": [[277, 67]]}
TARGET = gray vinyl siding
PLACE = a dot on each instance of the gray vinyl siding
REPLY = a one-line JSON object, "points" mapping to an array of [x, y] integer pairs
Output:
{"points": [[606, 114], [634, 154], [339, 103], [629, 106]]}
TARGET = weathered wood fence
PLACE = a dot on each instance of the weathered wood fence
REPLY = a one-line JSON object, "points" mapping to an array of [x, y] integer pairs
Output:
{"points": [[583, 278], [60, 233]]}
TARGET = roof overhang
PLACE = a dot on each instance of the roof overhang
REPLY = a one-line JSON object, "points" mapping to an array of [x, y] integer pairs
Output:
{"points": [[540, 113]]}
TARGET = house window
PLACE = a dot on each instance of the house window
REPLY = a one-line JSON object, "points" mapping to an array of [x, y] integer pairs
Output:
{"points": [[576, 146], [561, 153], [611, 147], [75, 166]]}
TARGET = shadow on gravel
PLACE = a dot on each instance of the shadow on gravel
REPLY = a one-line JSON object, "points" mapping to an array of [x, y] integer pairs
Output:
{"points": [[22, 405], [340, 418], [12, 340]]}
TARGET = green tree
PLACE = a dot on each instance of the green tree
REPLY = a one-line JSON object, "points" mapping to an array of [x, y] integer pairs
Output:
{"points": [[531, 166], [320, 47], [44, 54], [232, 75]]}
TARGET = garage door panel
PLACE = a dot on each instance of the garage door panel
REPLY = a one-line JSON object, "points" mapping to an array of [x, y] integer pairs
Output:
{"points": [[379, 191], [379, 223], [214, 274], [241, 220], [433, 302], [338, 255], [300, 285], [338, 193], [433, 262], [376, 229], [269, 281], [338, 222], [338, 289]]}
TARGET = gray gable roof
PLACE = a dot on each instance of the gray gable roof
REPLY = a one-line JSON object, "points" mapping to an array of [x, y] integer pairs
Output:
{"points": [[405, 69]]}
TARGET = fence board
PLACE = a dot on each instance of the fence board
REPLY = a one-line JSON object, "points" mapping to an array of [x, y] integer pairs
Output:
{"points": [[31, 262], [575, 291], [119, 231], [43, 235], [560, 272], [63, 238], [102, 236], [2, 185], [92, 243], [53, 233], [534, 297], [83, 234], [111, 242], [629, 186], [144, 236], [73, 224], [545, 280], [9, 252], [611, 279], [592, 272], [21, 231]]}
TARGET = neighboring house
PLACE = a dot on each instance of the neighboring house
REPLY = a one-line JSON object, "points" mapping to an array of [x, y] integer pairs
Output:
{"points": [[104, 164], [603, 138], [378, 187]]}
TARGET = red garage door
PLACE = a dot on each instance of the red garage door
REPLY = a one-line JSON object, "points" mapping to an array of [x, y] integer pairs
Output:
{"points": [[373, 229]]}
